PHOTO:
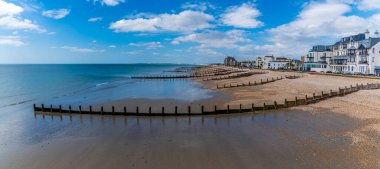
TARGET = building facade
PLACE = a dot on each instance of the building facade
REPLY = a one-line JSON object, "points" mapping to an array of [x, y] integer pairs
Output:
{"points": [[356, 54], [318, 59], [230, 61]]}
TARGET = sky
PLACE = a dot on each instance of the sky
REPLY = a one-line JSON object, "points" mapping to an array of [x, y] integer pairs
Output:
{"points": [[174, 31]]}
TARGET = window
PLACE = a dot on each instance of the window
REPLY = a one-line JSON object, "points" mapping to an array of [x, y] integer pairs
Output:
{"points": [[373, 50], [373, 59]]}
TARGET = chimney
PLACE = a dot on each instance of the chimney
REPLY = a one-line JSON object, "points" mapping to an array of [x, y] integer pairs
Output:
{"points": [[366, 34]]}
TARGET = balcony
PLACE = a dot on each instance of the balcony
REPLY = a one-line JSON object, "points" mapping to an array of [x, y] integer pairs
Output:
{"points": [[363, 62]]}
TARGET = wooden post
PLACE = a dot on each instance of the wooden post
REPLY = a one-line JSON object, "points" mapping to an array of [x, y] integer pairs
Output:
{"points": [[296, 101], [189, 109], [322, 95], [331, 93], [275, 104], [228, 108], [125, 110], [255, 83], [70, 108], [137, 110], [176, 110], [286, 103], [202, 109], [60, 109], [101, 110], [51, 108], [240, 108], [253, 107], [80, 109], [113, 109], [313, 96], [264, 107], [42, 107], [215, 109], [163, 110], [34, 107]]}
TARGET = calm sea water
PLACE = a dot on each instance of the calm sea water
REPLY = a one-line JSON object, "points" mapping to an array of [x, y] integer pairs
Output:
{"points": [[90, 84]]}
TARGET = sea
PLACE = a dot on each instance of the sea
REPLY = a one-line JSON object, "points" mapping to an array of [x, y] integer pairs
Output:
{"points": [[85, 84]]}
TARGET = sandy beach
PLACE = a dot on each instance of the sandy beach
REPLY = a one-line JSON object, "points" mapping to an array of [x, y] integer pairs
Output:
{"points": [[362, 106]]}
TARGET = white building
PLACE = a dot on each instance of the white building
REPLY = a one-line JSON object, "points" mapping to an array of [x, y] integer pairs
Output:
{"points": [[259, 63], [357, 54], [266, 61], [318, 59], [279, 63]]}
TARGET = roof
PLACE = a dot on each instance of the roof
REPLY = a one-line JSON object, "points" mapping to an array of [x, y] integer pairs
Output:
{"points": [[345, 40], [320, 48]]}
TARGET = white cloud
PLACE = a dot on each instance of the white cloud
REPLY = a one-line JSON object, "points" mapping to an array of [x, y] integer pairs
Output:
{"points": [[214, 39], [95, 19], [81, 50], [9, 9], [110, 2], [11, 22], [244, 16], [148, 45], [201, 6], [9, 18], [369, 5], [317, 23], [56, 14], [112, 46], [186, 21], [11, 40]]}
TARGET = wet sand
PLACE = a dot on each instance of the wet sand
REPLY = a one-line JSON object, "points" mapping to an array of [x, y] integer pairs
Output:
{"points": [[273, 140]]}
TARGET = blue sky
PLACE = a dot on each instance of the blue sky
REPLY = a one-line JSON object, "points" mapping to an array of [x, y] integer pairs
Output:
{"points": [[168, 31]]}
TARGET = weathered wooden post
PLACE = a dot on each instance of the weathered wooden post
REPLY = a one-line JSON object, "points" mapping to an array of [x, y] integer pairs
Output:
{"points": [[215, 109], [60, 109], [228, 108], [51, 108], [125, 110], [249, 83], [253, 107], [189, 110], [275, 105], [267, 80], [322, 95], [313, 96], [34, 107], [80, 109], [261, 81], [286, 103], [296, 101], [264, 106], [90, 107], [176, 110], [255, 83], [202, 109], [163, 110], [331, 92], [42, 107], [137, 110], [69, 108], [101, 110], [240, 108]]}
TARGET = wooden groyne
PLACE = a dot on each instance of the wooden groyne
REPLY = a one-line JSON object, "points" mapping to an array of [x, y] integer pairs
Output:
{"points": [[255, 83], [173, 111], [233, 76]]}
